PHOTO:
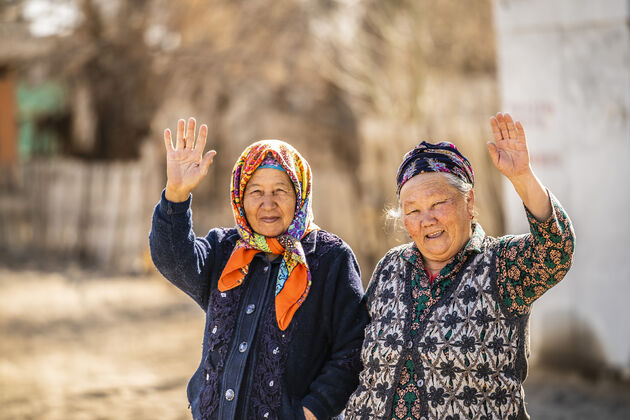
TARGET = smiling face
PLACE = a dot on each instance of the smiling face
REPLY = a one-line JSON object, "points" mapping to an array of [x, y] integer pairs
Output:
{"points": [[269, 202], [437, 216]]}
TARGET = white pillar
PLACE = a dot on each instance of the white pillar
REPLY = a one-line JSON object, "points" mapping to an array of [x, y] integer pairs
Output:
{"points": [[564, 71]]}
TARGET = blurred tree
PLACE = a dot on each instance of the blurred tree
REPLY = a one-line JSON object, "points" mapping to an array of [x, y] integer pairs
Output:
{"points": [[381, 52], [114, 87]]}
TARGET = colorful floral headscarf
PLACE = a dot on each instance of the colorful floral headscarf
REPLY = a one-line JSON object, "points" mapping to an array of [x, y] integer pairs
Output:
{"points": [[439, 157], [294, 277]]}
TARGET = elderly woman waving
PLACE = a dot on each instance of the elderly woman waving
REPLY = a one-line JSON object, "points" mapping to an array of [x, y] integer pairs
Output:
{"points": [[449, 311], [283, 299]]}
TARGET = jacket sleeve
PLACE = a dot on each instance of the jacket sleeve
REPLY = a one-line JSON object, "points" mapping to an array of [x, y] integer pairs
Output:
{"points": [[529, 265], [182, 258], [339, 376]]}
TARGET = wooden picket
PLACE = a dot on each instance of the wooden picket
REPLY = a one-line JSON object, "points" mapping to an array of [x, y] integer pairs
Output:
{"points": [[94, 213]]}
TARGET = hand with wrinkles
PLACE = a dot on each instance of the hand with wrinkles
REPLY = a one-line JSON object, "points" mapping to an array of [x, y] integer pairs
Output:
{"points": [[186, 164], [510, 155]]}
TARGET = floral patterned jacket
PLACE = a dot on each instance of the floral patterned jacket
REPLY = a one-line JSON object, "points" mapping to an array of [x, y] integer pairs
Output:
{"points": [[458, 348]]}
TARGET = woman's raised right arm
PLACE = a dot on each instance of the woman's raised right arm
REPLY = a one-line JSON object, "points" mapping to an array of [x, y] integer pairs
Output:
{"points": [[181, 257]]}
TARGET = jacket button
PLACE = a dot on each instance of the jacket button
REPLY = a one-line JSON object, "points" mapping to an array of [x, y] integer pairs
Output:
{"points": [[266, 415], [242, 347], [229, 394], [250, 308], [265, 269]]}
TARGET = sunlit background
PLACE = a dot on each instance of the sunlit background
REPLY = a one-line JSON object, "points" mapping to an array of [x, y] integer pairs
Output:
{"points": [[89, 330]]}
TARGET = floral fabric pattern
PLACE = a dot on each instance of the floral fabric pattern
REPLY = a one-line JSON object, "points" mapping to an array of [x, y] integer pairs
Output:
{"points": [[531, 264]]}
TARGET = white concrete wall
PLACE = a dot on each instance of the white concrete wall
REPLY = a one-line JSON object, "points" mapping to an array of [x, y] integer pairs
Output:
{"points": [[564, 71]]}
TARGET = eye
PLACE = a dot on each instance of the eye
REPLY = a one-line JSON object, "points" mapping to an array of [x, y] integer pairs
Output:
{"points": [[437, 203], [410, 212], [255, 192]]}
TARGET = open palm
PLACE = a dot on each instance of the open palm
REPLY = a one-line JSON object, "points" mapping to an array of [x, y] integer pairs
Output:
{"points": [[186, 165], [509, 151]]}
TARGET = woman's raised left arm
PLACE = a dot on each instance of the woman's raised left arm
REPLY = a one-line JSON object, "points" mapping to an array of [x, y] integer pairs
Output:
{"points": [[528, 265]]}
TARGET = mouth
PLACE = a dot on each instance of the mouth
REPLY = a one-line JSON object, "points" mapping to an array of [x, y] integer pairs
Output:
{"points": [[434, 235], [269, 219]]}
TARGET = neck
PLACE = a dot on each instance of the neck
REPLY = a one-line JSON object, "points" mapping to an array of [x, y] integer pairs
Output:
{"points": [[434, 267], [271, 256]]}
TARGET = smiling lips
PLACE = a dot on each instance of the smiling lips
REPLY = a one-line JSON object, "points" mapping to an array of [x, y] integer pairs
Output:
{"points": [[434, 234], [269, 219]]}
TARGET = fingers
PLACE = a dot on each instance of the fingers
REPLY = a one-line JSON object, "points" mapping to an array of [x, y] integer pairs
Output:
{"points": [[168, 141], [186, 136], [200, 144], [503, 126], [520, 132], [509, 122], [179, 142], [496, 131], [189, 138], [207, 160]]}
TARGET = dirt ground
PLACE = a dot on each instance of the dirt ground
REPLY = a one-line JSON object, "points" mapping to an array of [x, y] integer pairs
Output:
{"points": [[84, 346]]}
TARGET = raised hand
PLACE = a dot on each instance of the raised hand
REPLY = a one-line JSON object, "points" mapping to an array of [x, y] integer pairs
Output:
{"points": [[186, 165], [509, 151], [510, 155]]}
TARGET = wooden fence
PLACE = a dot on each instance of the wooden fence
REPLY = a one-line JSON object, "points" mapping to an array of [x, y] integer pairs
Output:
{"points": [[93, 213]]}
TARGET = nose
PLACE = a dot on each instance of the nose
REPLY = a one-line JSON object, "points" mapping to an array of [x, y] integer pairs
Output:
{"points": [[427, 219], [268, 201]]}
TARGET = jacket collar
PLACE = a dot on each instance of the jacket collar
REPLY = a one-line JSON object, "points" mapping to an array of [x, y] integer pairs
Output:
{"points": [[412, 255]]}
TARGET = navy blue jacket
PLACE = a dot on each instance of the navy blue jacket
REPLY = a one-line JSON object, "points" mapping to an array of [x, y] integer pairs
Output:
{"points": [[249, 367]]}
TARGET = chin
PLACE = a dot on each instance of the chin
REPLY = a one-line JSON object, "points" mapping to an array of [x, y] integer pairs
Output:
{"points": [[270, 232], [436, 254]]}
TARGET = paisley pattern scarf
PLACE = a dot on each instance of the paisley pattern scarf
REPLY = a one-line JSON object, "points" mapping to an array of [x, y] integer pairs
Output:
{"points": [[294, 277], [438, 157]]}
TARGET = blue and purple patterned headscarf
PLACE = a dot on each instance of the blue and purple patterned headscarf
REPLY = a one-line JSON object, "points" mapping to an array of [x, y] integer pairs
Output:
{"points": [[439, 157]]}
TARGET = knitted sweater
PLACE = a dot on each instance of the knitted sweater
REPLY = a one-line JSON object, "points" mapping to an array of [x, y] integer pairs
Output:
{"points": [[458, 348], [249, 367]]}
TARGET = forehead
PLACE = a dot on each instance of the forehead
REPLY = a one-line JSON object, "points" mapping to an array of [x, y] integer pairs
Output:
{"points": [[269, 176], [425, 186]]}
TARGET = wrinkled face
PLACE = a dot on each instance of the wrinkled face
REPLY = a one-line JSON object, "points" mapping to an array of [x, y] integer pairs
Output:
{"points": [[437, 216], [269, 201]]}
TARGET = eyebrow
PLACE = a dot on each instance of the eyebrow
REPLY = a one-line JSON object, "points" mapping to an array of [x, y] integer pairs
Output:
{"points": [[431, 196], [283, 183]]}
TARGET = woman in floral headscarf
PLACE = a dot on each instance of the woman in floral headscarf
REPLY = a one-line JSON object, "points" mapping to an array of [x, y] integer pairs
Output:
{"points": [[449, 311], [283, 298]]}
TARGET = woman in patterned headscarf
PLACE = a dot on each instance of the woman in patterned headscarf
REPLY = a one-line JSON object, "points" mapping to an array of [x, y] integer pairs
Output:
{"points": [[449, 311], [283, 298]]}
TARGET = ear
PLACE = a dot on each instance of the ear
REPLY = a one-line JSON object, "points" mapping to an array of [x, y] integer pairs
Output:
{"points": [[470, 204]]}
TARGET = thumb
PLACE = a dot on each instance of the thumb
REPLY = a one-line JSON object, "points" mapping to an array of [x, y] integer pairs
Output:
{"points": [[494, 153], [207, 160]]}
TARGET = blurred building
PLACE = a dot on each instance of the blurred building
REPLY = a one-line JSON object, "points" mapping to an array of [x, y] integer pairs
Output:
{"points": [[564, 70]]}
